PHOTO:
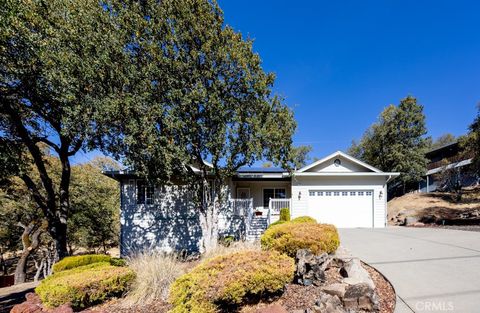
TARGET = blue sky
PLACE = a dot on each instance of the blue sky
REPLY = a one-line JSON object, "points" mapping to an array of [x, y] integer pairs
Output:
{"points": [[339, 63]]}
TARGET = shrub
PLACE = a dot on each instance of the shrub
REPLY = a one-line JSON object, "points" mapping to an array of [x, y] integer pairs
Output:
{"points": [[84, 286], [229, 279], [285, 214], [304, 219], [155, 272], [79, 260], [276, 223], [289, 237]]}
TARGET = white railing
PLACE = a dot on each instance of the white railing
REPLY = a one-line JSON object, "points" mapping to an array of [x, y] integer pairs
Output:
{"points": [[241, 207], [274, 205]]}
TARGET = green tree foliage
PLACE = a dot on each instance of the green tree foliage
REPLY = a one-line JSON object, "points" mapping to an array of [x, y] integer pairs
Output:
{"points": [[202, 95], [95, 206], [396, 142], [93, 195], [63, 65], [300, 156], [158, 84]]}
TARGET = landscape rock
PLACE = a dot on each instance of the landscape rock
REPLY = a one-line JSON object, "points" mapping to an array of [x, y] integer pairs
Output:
{"points": [[410, 220], [310, 267], [33, 304], [328, 304], [360, 297], [336, 289], [274, 308], [354, 273]]}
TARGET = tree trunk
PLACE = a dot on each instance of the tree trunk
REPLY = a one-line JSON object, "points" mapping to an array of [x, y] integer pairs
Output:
{"points": [[58, 231], [21, 269], [209, 216], [29, 246]]}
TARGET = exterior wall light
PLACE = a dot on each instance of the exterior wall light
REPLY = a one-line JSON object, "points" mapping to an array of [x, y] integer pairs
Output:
{"points": [[380, 195], [299, 195]]}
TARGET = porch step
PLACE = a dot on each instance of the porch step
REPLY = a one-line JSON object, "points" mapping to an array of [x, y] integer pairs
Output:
{"points": [[257, 228]]}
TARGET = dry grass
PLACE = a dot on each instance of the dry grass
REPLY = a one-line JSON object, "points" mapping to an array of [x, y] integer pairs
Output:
{"points": [[237, 246], [435, 203], [155, 273]]}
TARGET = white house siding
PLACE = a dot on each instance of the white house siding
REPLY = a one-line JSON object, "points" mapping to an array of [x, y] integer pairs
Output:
{"points": [[302, 185], [171, 223]]}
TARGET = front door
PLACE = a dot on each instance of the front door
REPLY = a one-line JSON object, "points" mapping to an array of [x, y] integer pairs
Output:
{"points": [[243, 193], [273, 193]]}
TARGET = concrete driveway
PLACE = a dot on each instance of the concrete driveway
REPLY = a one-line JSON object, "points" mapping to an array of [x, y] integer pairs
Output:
{"points": [[432, 270]]}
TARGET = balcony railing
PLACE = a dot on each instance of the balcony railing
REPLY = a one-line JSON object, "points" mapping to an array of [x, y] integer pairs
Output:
{"points": [[450, 160]]}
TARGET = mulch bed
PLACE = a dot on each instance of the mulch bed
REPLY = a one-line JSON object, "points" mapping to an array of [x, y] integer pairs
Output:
{"points": [[384, 290]]}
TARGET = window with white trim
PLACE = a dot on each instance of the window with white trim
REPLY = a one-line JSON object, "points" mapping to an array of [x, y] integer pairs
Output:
{"points": [[145, 193], [320, 193], [369, 193], [344, 193], [360, 193], [312, 193], [353, 193], [336, 193], [328, 193]]}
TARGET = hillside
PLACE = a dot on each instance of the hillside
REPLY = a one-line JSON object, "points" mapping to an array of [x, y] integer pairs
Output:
{"points": [[436, 207]]}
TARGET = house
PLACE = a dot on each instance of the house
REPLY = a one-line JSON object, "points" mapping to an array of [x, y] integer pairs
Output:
{"points": [[337, 189], [448, 156]]}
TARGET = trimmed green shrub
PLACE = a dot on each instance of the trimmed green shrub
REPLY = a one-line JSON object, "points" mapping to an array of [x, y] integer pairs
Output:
{"points": [[289, 237], [85, 286], [229, 280], [79, 260], [285, 214], [304, 219]]}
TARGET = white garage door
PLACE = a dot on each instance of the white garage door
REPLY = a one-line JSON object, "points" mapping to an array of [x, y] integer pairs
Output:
{"points": [[343, 208]]}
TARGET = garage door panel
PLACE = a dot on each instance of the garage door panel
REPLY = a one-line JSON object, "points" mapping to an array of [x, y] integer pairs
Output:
{"points": [[343, 208]]}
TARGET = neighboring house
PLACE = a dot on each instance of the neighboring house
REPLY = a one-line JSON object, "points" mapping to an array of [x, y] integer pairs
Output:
{"points": [[337, 189], [449, 156]]}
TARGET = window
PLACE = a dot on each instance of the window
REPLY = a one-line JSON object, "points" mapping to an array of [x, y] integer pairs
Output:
{"points": [[145, 193], [320, 193], [369, 193], [352, 193], [344, 193], [311, 193], [336, 193], [273, 193], [360, 193], [328, 193]]}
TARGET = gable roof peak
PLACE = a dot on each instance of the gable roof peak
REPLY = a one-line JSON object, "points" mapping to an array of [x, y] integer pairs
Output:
{"points": [[342, 154]]}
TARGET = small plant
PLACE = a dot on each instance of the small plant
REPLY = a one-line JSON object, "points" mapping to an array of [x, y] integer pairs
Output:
{"points": [[226, 241], [284, 214], [304, 219], [79, 260], [85, 286], [228, 280], [289, 237]]}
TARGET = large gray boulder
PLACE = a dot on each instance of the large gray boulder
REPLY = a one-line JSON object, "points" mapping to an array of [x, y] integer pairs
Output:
{"points": [[354, 273]]}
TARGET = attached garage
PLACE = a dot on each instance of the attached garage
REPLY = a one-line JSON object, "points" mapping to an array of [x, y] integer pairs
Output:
{"points": [[343, 208], [343, 191]]}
